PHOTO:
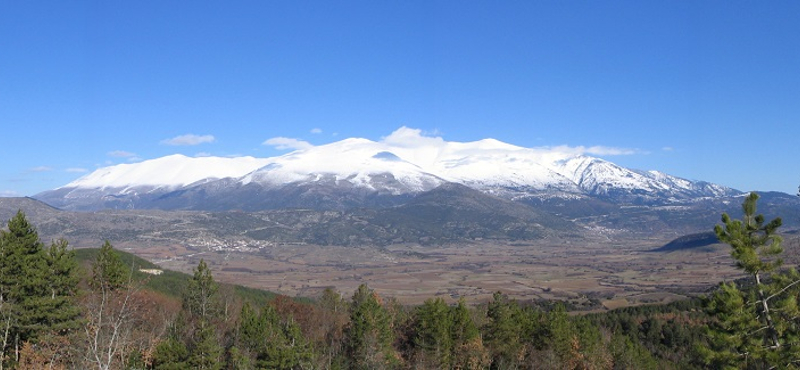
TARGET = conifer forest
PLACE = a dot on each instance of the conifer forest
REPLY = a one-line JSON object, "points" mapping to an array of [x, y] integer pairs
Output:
{"points": [[64, 308]]}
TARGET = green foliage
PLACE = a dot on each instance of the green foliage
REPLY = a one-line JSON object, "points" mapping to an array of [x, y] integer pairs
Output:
{"points": [[434, 331], [270, 342], [629, 354], [447, 337], [62, 278], [206, 353], [252, 330], [754, 245], [171, 354], [37, 286], [730, 336], [285, 347], [108, 272], [463, 329], [757, 326], [170, 283], [504, 332], [200, 298], [369, 335], [563, 335], [62, 269]]}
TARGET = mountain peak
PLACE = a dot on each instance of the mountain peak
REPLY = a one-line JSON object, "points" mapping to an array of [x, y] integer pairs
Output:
{"points": [[403, 164]]}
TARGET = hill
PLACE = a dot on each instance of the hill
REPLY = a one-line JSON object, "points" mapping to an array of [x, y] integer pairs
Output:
{"points": [[168, 282], [692, 241]]}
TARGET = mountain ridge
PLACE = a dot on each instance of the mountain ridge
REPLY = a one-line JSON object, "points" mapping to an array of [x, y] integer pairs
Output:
{"points": [[355, 172]]}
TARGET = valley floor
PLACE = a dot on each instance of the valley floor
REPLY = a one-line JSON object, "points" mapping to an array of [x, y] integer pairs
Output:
{"points": [[592, 275]]}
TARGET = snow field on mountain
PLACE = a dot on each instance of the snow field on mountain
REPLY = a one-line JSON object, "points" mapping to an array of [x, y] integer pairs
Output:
{"points": [[404, 162]]}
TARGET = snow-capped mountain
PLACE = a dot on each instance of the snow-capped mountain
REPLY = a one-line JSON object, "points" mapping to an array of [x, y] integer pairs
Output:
{"points": [[601, 178], [168, 172], [358, 163], [360, 172]]}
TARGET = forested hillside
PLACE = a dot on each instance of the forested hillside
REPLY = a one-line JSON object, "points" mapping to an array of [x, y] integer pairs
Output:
{"points": [[107, 310]]}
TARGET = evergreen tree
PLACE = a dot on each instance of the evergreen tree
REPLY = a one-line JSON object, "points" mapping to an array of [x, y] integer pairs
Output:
{"points": [[756, 326], [503, 332], [200, 298], [287, 348], [563, 337], [36, 287], [270, 342], [628, 354], [171, 354], [463, 327], [369, 336], [108, 272], [434, 336], [202, 304], [63, 313], [24, 277], [206, 353], [468, 351], [252, 330]]}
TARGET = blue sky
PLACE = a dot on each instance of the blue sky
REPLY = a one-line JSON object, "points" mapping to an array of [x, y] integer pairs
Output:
{"points": [[705, 90]]}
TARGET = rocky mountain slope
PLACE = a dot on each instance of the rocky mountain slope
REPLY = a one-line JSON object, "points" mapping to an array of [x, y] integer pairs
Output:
{"points": [[451, 213], [447, 214]]}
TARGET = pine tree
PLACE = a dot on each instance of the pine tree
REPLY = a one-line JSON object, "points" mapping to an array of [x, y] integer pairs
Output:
{"points": [[285, 347], [63, 312], [434, 336], [206, 353], [468, 351], [200, 298], [36, 287], [628, 354], [251, 331], [201, 303], [756, 326], [108, 272], [270, 342], [171, 354], [369, 336], [24, 277], [503, 331], [463, 327], [563, 337]]}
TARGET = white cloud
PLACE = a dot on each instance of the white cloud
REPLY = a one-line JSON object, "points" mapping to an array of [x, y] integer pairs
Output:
{"points": [[76, 170], [283, 143], [604, 150], [419, 141], [316, 130], [202, 154], [41, 169], [189, 139], [568, 151], [411, 137], [121, 154], [8, 193], [667, 148], [129, 157]]}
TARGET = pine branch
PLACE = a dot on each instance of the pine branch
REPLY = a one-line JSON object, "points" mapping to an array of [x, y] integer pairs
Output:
{"points": [[783, 290]]}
